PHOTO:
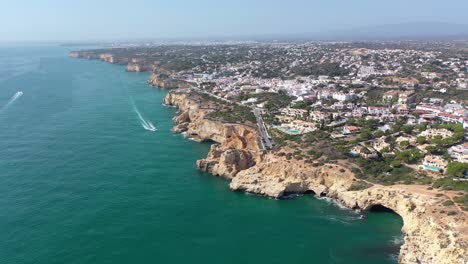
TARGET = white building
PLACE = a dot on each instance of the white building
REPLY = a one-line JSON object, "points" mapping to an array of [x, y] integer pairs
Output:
{"points": [[459, 152], [343, 96]]}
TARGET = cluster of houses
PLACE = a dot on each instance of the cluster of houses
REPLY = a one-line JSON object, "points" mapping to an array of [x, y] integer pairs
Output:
{"points": [[295, 121], [452, 113], [373, 149], [298, 121], [459, 152], [333, 100]]}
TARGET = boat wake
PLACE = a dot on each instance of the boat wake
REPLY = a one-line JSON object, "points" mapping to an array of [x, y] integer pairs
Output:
{"points": [[12, 100], [144, 123]]}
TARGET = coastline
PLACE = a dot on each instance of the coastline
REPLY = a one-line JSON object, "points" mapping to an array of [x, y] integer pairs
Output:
{"points": [[430, 237]]}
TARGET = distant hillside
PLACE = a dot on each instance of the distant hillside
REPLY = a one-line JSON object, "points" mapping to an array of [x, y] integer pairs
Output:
{"points": [[404, 31]]}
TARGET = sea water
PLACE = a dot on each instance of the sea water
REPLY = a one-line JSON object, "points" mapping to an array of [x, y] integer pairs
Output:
{"points": [[84, 178]]}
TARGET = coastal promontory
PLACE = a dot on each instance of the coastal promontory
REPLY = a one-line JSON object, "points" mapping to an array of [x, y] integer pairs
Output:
{"points": [[358, 123], [431, 236]]}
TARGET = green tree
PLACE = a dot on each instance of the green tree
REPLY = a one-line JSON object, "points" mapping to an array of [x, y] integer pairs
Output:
{"points": [[435, 150], [457, 169], [421, 139], [405, 144], [407, 129], [396, 163], [300, 105], [366, 134], [409, 156], [421, 127]]}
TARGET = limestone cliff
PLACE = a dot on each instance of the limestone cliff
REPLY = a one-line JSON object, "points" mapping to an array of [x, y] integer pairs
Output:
{"points": [[431, 236], [237, 147], [165, 81], [160, 77], [106, 57], [140, 67]]}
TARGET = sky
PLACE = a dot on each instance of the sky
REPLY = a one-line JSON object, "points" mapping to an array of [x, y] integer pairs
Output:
{"points": [[88, 20]]}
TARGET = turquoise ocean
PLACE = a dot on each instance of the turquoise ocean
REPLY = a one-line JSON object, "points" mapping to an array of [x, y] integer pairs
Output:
{"points": [[83, 180]]}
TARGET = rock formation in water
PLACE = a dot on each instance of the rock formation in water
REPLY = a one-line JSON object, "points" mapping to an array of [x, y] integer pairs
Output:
{"points": [[431, 236]]}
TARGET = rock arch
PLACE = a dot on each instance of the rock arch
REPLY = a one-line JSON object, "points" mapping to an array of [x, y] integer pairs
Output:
{"points": [[379, 208]]}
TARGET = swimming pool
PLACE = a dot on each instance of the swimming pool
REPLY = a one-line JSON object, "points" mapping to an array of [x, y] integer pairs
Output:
{"points": [[432, 168]]}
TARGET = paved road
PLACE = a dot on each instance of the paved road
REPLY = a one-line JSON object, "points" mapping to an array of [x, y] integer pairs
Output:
{"points": [[265, 139]]}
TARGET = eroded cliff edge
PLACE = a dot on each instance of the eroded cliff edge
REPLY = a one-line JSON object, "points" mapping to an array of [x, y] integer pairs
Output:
{"points": [[160, 76], [430, 236]]}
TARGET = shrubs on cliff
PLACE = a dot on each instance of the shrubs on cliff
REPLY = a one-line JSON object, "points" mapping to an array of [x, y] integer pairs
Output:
{"points": [[447, 203], [273, 101], [457, 169], [448, 183], [382, 172], [359, 185], [234, 114], [462, 200]]}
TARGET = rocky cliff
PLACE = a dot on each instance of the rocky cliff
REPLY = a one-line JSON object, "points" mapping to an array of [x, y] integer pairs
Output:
{"points": [[165, 81], [431, 236], [160, 77], [107, 57], [140, 67], [237, 147]]}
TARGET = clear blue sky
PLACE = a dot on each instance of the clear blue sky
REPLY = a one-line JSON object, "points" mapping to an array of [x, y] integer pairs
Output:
{"points": [[39, 20]]}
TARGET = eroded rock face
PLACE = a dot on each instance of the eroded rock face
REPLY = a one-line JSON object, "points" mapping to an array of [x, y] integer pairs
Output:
{"points": [[165, 81], [226, 163], [431, 236], [275, 176], [237, 147], [106, 57], [140, 67]]}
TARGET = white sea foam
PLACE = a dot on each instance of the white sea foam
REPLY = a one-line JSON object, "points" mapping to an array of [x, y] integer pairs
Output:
{"points": [[397, 240], [173, 106], [334, 202], [12, 100]]}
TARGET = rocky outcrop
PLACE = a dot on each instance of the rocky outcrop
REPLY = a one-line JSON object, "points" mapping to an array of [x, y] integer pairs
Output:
{"points": [[106, 57], [226, 162], [140, 67], [160, 77], [237, 147], [431, 236], [166, 81]]}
